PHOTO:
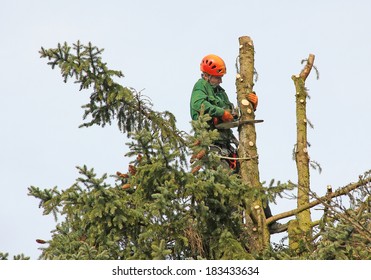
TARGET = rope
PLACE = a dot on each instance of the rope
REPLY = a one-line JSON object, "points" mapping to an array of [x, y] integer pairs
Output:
{"points": [[237, 64], [233, 158]]}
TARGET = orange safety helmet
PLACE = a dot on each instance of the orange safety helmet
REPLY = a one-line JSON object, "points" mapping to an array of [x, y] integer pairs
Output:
{"points": [[213, 65]]}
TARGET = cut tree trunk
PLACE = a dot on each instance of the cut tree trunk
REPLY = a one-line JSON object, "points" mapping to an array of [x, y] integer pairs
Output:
{"points": [[247, 150], [301, 230]]}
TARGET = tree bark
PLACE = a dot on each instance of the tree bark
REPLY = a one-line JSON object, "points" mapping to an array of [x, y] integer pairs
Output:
{"points": [[303, 229], [249, 170], [342, 191]]}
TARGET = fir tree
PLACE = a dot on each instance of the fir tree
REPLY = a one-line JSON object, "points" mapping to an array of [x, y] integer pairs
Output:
{"points": [[161, 207]]}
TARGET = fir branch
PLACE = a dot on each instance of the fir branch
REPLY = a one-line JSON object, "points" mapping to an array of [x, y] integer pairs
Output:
{"points": [[109, 100]]}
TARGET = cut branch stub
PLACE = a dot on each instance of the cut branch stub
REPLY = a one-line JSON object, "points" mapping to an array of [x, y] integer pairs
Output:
{"points": [[308, 67]]}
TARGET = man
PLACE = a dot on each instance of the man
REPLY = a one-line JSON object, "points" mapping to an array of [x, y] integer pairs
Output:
{"points": [[208, 93]]}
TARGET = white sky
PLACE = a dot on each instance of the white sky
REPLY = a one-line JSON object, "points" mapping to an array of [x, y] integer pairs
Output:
{"points": [[158, 45]]}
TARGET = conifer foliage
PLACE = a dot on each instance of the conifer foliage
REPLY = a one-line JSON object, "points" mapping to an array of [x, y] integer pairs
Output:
{"points": [[108, 100], [162, 207]]}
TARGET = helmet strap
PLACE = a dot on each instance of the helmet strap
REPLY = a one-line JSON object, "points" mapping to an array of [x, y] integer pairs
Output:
{"points": [[205, 76]]}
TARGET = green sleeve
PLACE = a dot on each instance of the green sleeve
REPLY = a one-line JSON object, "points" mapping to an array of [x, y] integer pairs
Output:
{"points": [[200, 96]]}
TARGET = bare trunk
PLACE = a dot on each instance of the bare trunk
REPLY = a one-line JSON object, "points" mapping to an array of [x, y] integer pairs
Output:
{"points": [[301, 231], [247, 149]]}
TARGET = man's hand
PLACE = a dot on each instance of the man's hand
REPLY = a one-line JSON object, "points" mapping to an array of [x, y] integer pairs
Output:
{"points": [[253, 98], [227, 117]]}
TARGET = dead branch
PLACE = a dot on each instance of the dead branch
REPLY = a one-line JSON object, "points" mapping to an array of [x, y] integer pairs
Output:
{"points": [[321, 200]]}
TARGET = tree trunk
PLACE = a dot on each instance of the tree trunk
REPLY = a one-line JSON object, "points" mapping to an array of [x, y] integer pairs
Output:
{"points": [[302, 230], [247, 149]]}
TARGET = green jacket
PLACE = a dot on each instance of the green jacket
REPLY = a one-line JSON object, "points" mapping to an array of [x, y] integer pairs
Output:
{"points": [[215, 101]]}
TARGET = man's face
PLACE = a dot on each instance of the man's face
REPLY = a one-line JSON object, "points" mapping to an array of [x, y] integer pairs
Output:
{"points": [[215, 80]]}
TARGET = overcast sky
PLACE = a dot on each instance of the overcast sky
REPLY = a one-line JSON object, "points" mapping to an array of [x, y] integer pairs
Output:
{"points": [[158, 46]]}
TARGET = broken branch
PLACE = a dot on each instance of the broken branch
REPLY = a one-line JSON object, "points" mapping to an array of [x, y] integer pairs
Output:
{"points": [[339, 192]]}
